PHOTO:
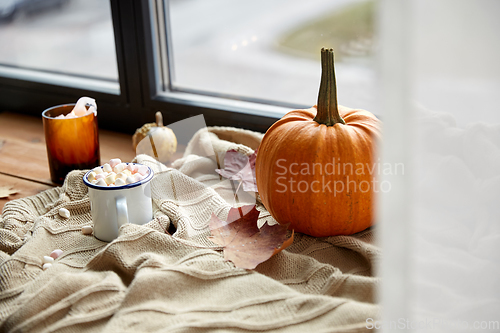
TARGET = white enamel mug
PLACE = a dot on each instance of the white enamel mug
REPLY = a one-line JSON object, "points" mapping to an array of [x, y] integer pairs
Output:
{"points": [[114, 206]]}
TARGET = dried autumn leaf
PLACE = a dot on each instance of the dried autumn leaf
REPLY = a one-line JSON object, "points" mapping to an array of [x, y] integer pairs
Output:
{"points": [[244, 243], [251, 159], [238, 166], [6, 191]]}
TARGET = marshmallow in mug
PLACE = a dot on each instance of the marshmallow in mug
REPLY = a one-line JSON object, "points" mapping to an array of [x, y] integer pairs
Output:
{"points": [[116, 173]]}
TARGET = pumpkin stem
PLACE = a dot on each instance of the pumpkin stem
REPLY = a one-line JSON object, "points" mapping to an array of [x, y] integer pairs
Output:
{"points": [[328, 111], [159, 119]]}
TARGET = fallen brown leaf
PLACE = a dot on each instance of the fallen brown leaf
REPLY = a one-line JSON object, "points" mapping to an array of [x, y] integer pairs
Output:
{"points": [[240, 167], [6, 191], [244, 243]]}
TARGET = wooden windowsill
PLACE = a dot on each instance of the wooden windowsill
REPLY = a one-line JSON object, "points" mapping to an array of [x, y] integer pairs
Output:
{"points": [[23, 156]]}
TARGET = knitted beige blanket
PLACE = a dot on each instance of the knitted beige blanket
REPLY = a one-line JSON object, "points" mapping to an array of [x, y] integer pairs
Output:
{"points": [[148, 280]]}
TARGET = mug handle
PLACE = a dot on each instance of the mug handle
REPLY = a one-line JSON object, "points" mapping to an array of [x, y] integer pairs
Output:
{"points": [[121, 212]]}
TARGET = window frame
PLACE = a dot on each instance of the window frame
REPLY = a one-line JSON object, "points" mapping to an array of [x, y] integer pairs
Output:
{"points": [[138, 99]]}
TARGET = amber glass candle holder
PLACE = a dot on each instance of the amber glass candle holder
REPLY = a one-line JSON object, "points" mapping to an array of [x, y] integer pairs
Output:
{"points": [[72, 143]]}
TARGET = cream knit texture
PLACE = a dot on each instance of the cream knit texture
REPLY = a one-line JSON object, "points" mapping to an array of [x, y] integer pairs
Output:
{"points": [[148, 280]]}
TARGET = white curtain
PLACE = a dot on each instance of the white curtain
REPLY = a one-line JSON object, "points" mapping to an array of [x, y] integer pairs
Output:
{"points": [[440, 222]]}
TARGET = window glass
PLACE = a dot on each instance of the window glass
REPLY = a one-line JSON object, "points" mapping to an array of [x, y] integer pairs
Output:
{"points": [[270, 50], [73, 37]]}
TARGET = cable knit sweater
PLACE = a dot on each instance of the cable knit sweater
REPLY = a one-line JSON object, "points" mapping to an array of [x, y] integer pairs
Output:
{"points": [[148, 280]]}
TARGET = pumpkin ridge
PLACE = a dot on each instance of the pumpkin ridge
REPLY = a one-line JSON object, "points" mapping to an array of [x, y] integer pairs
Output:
{"points": [[366, 129], [356, 116], [287, 120], [302, 113], [349, 144]]}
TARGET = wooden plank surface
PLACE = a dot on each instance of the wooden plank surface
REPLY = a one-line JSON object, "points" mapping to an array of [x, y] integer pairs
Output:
{"points": [[22, 148], [23, 154], [24, 188]]}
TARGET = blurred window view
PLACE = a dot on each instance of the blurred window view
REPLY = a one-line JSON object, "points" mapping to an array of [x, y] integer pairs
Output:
{"points": [[72, 37], [269, 51], [252, 50]]}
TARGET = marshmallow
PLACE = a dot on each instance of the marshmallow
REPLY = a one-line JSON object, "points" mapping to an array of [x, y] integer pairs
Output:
{"points": [[121, 175], [119, 167], [94, 182], [138, 177], [46, 266], [120, 181], [87, 230], [97, 170], [91, 176], [132, 168], [64, 212], [130, 180], [101, 176], [127, 172], [60, 116], [56, 254], [101, 182], [107, 168], [114, 162], [110, 179], [47, 259], [143, 170], [70, 115]]}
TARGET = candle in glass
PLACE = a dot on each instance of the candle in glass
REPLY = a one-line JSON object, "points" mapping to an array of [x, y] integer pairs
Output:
{"points": [[72, 143]]}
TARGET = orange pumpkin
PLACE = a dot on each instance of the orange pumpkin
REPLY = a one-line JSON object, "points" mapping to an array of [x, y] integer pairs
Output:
{"points": [[316, 168]]}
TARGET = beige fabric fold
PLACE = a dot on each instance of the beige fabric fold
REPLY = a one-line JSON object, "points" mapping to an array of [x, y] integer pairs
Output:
{"points": [[150, 281]]}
